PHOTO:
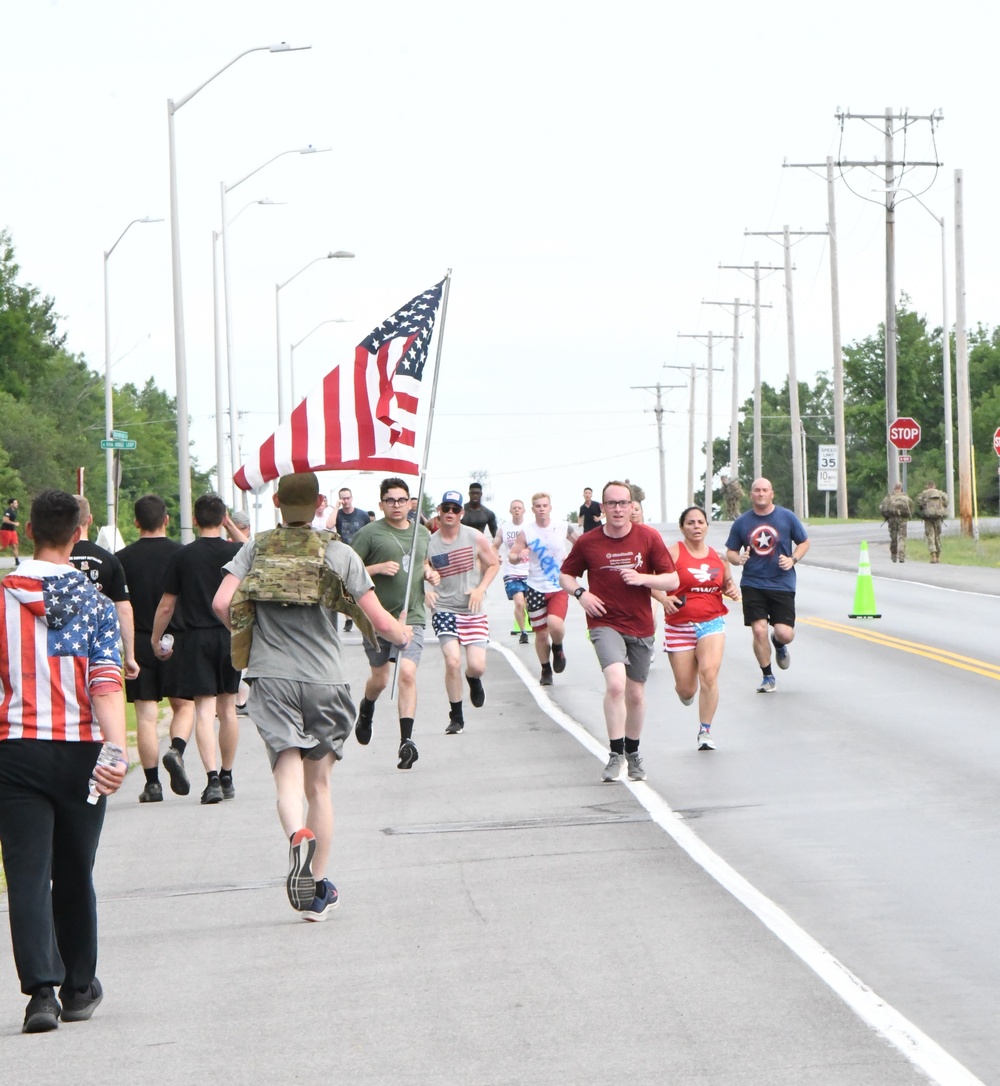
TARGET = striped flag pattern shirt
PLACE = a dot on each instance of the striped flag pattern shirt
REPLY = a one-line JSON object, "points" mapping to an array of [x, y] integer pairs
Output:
{"points": [[58, 646], [361, 416]]}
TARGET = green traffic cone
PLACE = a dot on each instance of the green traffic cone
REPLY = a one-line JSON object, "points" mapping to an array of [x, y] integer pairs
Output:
{"points": [[864, 593]]}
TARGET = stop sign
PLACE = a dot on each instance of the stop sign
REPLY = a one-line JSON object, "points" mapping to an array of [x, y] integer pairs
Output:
{"points": [[904, 433], [996, 441]]}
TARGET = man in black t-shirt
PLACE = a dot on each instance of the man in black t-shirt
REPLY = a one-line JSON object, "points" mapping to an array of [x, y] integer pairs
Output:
{"points": [[589, 516], [104, 570], [205, 673], [476, 515], [145, 562]]}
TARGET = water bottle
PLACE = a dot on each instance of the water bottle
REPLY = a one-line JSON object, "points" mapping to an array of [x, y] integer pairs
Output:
{"points": [[166, 642], [110, 753]]}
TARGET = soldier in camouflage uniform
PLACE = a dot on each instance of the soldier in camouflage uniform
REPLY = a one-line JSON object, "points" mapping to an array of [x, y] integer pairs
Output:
{"points": [[932, 508], [897, 508], [285, 587]]}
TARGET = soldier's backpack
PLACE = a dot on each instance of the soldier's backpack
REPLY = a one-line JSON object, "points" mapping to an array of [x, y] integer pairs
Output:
{"points": [[289, 568], [932, 504]]}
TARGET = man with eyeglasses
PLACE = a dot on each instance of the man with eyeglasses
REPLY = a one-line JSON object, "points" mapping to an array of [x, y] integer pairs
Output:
{"points": [[623, 561], [464, 560], [386, 548]]}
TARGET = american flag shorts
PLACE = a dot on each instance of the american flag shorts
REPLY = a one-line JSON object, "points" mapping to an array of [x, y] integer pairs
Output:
{"points": [[469, 629], [684, 637]]}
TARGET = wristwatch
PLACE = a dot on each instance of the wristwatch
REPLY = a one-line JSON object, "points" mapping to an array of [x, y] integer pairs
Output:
{"points": [[579, 592]]}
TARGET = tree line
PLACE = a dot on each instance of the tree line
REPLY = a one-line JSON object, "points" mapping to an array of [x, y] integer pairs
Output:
{"points": [[920, 395], [52, 413]]}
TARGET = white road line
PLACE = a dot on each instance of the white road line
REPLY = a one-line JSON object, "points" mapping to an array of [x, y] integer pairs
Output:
{"points": [[898, 1030]]}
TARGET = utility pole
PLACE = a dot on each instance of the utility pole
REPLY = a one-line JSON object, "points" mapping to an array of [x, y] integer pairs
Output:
{"points": [[758, 455], [839, 427], [708, 338], [734, 418], [962, 368], [798, 465], [891, 182], [658, 412]]}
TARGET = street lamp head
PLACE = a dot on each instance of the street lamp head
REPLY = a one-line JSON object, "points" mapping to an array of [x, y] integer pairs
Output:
{"points": [[341, 254], [148, 219], [310, 150], [284, 47]]}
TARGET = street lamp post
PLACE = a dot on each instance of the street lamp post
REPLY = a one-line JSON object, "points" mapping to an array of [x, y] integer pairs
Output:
{"points": [[180, 355], [230, 353], [109, 421], [298, 343], [339, 254], [220, 410]]}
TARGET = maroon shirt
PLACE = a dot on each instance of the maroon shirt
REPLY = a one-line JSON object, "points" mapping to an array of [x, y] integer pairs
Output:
{"points": [[627, 607]]}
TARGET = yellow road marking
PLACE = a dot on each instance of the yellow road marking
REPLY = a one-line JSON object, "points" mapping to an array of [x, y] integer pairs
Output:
{"points": [[942, 656]]}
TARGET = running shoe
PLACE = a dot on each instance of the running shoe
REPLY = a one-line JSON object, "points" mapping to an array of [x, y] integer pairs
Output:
{"points": [[407, 754], [42, 1012], [523, 639], [363, 728], [477, 695], [546, 679], [766, 685], [79, 1006], [173, 763], [326, 899], [612, 771], [782, 656], [635, 770], [300, 884], [455, 727], [705, 741], [558, 661], [213, 791], [228, 788], [687, 701], [152, 793]]}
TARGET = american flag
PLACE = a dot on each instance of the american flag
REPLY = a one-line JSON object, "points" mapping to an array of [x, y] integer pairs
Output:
{"points": [[362, 416], [451, 563]]}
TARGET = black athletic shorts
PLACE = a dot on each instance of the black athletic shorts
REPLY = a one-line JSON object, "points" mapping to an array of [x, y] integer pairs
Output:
{"points": [[157, 678], [776, 607], [205, 664]]}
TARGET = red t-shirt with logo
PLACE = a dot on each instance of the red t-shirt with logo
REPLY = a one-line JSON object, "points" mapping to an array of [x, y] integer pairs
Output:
{"points": [[627, 607]]}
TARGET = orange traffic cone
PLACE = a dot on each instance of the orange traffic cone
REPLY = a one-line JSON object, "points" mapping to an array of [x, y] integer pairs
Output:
{"points": [[864, 593]]}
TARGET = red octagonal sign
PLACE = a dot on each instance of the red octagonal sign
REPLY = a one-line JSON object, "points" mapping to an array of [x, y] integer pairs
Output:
{"points": [[996, 441], [904, 433]]}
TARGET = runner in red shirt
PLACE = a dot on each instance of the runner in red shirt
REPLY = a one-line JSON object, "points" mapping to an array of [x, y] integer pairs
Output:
{"points": [[623, 562]]}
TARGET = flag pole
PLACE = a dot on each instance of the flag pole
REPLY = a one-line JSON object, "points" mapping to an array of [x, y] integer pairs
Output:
{"points": [[423, 468]]}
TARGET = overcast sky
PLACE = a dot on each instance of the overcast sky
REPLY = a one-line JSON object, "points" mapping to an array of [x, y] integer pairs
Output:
{"points": [[582, 167]]}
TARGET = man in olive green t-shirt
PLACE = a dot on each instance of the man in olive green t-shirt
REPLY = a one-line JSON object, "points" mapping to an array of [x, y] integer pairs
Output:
{"points": [[386, 548]]}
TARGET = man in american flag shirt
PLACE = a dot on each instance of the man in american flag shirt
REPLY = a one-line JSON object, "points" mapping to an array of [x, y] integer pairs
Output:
{"points": [[466, 562], [60, 699]]}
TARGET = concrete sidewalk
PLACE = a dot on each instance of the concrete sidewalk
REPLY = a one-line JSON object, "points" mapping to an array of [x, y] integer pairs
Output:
{"points": [[504, 917]]}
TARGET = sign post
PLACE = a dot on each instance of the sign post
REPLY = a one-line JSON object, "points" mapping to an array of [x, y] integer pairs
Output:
{"points": [[828, 461], [904, 434]]}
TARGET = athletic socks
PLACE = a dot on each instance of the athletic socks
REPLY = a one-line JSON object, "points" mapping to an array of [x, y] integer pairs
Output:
{"points": [[405, 728], [455, 713], [765, 671], [152, 775], [617, 746], [631, 745], [180, 745]]}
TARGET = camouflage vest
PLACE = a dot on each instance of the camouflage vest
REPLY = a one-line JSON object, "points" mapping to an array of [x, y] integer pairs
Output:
{"points": [[289, 568]]}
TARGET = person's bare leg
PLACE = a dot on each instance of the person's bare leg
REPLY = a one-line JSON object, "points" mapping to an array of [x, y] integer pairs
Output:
{"points": [[229, 728], [452, 652], [319, 809], [378, 680], [635, 707], [204, 730], [614, 700], [685, 670], [147, 714], [475, 661], [182, 721], [709, 657], [406, 688], [289, 782], [761, 645]]}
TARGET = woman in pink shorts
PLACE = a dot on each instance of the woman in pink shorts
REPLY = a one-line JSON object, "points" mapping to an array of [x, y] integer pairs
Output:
{"points": [[694, 617]]}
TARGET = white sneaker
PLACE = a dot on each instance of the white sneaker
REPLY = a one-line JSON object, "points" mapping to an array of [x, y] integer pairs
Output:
{"points": [[705, 741]]}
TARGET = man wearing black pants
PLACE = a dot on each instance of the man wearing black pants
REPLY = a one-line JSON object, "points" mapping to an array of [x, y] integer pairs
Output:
{"points": [[60, 629]]}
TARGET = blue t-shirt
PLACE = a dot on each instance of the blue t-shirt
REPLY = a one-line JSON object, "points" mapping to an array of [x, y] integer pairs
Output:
{"points": [[767, 537]]}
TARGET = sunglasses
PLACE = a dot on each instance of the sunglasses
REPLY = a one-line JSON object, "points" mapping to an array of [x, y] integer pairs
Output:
{"points": [[451, 509]]}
